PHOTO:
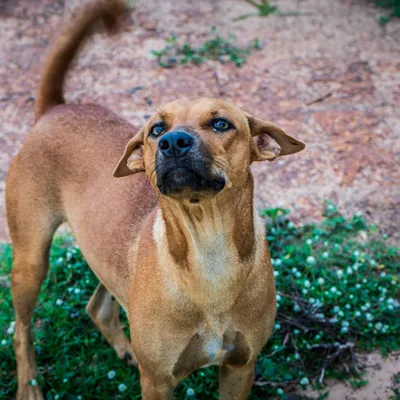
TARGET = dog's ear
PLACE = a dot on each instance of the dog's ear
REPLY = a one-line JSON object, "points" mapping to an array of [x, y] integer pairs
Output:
{"points": [[132, 159], [270, 141]]}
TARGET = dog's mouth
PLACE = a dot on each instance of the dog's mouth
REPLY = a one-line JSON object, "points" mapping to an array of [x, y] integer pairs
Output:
{"points": [[185, 182]]}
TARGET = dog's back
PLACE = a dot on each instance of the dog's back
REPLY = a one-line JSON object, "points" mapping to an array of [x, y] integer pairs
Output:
{"points": [[64, 170]]}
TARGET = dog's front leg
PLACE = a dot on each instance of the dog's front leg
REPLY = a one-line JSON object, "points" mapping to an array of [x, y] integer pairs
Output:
{"points": [[235, 383], [155, 388]]}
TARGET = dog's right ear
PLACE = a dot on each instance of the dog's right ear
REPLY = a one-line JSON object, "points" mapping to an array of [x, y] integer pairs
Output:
{"points": [[132, 159]]}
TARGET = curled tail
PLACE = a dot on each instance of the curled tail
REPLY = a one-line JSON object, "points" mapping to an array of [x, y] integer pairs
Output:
{"points": [[50, 91]]}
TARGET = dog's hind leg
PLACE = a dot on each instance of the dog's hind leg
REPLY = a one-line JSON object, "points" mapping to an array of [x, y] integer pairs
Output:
{"points": [[104, 309], [32, 222]]}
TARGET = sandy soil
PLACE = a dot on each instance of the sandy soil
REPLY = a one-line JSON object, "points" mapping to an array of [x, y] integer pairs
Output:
{"points": [[335, 50]]}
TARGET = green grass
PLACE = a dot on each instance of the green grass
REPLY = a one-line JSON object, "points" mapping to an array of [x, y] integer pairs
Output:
{"points": [[393, 7], [217, 48], [338, 291]]}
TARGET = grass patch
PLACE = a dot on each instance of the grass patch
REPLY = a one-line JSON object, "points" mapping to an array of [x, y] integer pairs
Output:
{"points": [[338, 292], [393, 7], [217, 48]]}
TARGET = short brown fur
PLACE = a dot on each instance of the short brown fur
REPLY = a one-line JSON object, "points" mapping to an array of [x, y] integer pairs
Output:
{"points": [[195, 279]]}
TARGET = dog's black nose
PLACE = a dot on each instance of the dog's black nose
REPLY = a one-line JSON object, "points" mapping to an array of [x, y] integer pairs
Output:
{"points": [[175, 144]]}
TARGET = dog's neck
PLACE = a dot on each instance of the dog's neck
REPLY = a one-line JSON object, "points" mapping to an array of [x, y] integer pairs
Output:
{"points": [[211, 243]]}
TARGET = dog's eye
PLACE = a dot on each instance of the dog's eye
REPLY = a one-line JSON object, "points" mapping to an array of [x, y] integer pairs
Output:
{"points": [[221, 125], [157, 129]]}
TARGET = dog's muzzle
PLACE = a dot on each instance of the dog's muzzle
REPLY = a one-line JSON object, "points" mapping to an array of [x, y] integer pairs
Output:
{"points": [[184, 167]]}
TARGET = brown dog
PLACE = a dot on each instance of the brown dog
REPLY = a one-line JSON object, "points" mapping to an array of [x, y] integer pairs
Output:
{"points": [[180, 246]]}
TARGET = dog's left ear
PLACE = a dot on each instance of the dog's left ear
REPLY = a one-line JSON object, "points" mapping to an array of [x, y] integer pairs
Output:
{"points": [[270, 141], [132, 159]]}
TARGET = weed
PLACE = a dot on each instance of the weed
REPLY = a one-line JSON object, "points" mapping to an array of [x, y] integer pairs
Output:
{"points": [[392, 5], [219, 49], [338, 292]]}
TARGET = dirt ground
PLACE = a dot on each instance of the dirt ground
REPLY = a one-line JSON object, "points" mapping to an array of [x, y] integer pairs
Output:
{"points": [[334, 51]]}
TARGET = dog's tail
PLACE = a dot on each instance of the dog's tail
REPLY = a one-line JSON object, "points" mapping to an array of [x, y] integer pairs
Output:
{"points": [[50, 91]]}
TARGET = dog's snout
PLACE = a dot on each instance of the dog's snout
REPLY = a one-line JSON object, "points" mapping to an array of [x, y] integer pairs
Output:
{"points": [[175, 144]]}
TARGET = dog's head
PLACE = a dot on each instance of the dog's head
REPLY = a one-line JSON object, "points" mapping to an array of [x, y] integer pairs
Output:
{"points": [[196, 149]]}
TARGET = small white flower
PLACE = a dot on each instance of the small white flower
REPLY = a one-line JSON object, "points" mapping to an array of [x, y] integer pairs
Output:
{"points": [[349, 270], [356, 266], [325, 254], [296, 308], [190, 392], [347, 306], [364, 280], [276, 273], [345, 323], [111, 374], [311, 260], [59, 302], [339, 273], [321, 281], [356, 253], [122, 387], [390, 307], [333, 289], [309, 242], [77, 290], [373, 263], [33, 382], [336, 309], [294, 270], [298, 274], [278, 297], [278, 262], [378, 326], [296, 331], [277, 326], [358, 286], [56, 397], [3, 342], [344, 329], [369, 316], [367, 305], [351, 296], [312, 300], [79, 397], [304, 381], [290, 225], [357, 314], [307, 283], [341, 314], [279, 391], [358, 214], [10, 329], [393, 282], [319, 303], [326, 243], [297, 356], [330, 207], [383, 274], [304, 291]]}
